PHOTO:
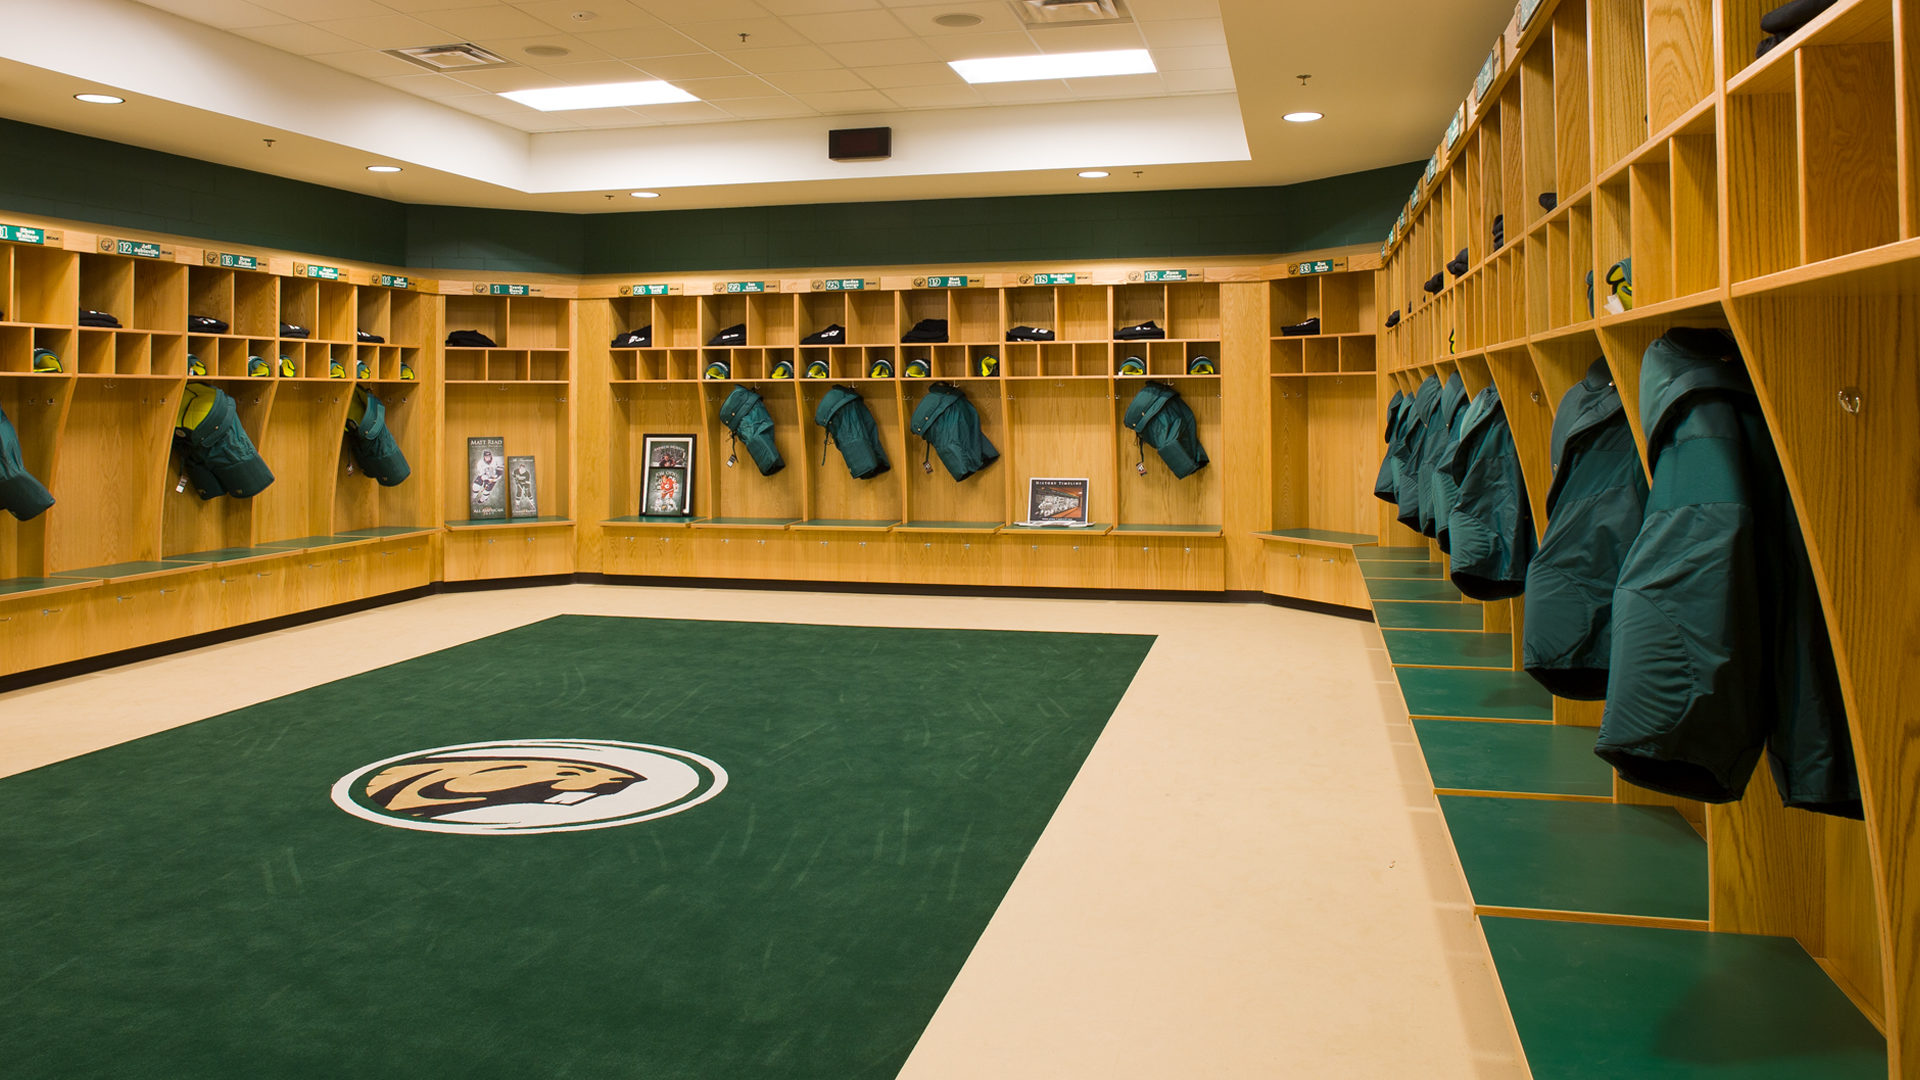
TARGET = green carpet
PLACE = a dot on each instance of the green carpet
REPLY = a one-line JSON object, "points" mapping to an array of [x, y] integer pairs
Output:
{"points": [[1380, 588], [1539, 759], [1448, 648], [1474, 693], [1605, 1002], [1415, 615], [1579, 856], [193, 905]]}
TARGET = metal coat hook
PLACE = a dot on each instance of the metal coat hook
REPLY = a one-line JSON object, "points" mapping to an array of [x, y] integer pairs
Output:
{"points": [[1850, 400]]}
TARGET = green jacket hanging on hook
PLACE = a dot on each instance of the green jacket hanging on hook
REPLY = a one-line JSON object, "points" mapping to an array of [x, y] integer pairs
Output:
{"points": [[1594, 507], [1160, 418], [1720, 643], [849, 425], [951, 426], [21, 494], [1409, 450], [745, 416], [218, 457], [372, 442], [1491, 523], [1438, 490], [1386, 483]]}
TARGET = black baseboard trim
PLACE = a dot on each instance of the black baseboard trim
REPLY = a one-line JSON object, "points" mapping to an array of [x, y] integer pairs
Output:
{"points": [[90, 664]]}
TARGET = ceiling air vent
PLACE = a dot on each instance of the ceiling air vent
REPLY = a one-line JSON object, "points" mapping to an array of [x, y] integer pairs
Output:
{"points": [[1070, 12], [460, 56]]}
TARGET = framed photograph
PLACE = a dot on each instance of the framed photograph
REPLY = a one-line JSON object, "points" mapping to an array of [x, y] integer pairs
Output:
{"points": [[1057, 502], [487, 477], [666, 477], [523, 499]]}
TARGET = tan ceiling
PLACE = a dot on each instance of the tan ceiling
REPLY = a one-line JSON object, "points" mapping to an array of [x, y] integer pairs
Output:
{"points": [[744, 59], [1386, 73]]}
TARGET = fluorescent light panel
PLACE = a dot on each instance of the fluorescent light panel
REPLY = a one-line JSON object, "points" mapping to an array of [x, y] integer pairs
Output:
{"points": [[600, 96], [1086, 65]]}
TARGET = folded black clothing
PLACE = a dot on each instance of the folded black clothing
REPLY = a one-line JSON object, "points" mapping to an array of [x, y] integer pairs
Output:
{"points": [[89, 317], [369, 338], [1458, 265], [1302, 329], [732, 335], [832, 335], [206, 324], [1499, 231], [1789, 17], [470, 339], [1549, 200], [292, 330], [635, 339], [1435, 282], [1766, 45], [1393, 320], [933, 330], [1145, 331], [1029, 333]]}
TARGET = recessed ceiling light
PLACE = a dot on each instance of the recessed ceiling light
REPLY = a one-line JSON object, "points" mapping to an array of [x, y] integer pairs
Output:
{"points": [[99, 99], [1302, 117], [1095, 174], [957, 19], [1086, 65], [600, 96], [546, 50], [644, 194], [383, 168]]}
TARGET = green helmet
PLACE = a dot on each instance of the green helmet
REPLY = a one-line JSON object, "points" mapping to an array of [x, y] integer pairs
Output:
{"points": [[195, 365], [782, 369], [363, 370], [288, 368], [988, 366], [718, 369], [257, 368], [880, 369], [336, 369], [817, 369], [918, 368], [1202, 365], [47, 360], [1133, 365], [406, 371]]}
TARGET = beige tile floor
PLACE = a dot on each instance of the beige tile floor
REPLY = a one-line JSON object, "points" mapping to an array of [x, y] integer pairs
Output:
{"points": [[1250, 877]]}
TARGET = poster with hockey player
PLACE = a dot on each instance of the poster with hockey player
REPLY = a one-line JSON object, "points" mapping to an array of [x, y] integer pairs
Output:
{"points": [[666, 486], [487, 477], [522, 502]]}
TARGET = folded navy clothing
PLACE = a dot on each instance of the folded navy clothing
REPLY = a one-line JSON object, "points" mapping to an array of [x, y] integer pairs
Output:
{"points": [[1766, 45], [1302, 329], [1145, 331], [89, 317], [1549, 200], [1393, 320], [1435, 282], [1789, 17], [1459, 264], [1029, 333]]}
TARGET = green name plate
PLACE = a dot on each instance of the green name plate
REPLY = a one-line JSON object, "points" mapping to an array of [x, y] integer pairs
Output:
{"points": [[949, 281], [1320, 266], [230, 261], [1490, 70], [395, 281], [20, 234], [746, 286], [1056, 279], [324, 273], [1527, 8], [845, 284], [1153, 276], [652, 290], [138, 248], [510, 290]]}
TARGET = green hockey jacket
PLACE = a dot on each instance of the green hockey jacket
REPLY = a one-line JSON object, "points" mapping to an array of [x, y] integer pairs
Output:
{"points": [[850, 426], [745, 416], [1159, 417], [214, 449], [951, 426], [1720, 646], [371, 441], [1410, 449], [21, 493], [1491, 523], [1439, 490], [1386, 482], [1594, 507]]}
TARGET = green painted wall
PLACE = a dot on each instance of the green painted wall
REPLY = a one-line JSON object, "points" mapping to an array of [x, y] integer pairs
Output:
{"points": [[59, 174]]}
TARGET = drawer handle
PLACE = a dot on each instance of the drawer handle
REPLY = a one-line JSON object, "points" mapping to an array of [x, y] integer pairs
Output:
{"points": [[263, 573], [317, 565], [384, 555], [164, 592], [123, 599], [529, 539], [52, 610], [341, 560]]}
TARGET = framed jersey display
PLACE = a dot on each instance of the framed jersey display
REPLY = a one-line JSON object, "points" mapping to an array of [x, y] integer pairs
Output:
{"points": [[666, 477]]}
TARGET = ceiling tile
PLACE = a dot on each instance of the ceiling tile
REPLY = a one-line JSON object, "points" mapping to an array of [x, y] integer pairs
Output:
{"points": [[676, 10], [1088, 38], [496, 80], [766, 108], [890, 76], [691, 66], [1021, 93], [969, 46], [1118, 86], [225, 14], [515, 49], [892, 51], [1177, 33], [639, 44], [740, 86], [1145, 10], [367, 64], [1189, 82], [602, 119], [315, 10], [685, 112], [935, 97], [593, 72], [385, 32], [848, 26], [815, 7], [490, 105], [725, 36], [499, 21], [1195, 58], [435, 87], [790, 58], [995, 18], [849, 101], [607, 15], [816, 82], [298, 38], [410, 7]]}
